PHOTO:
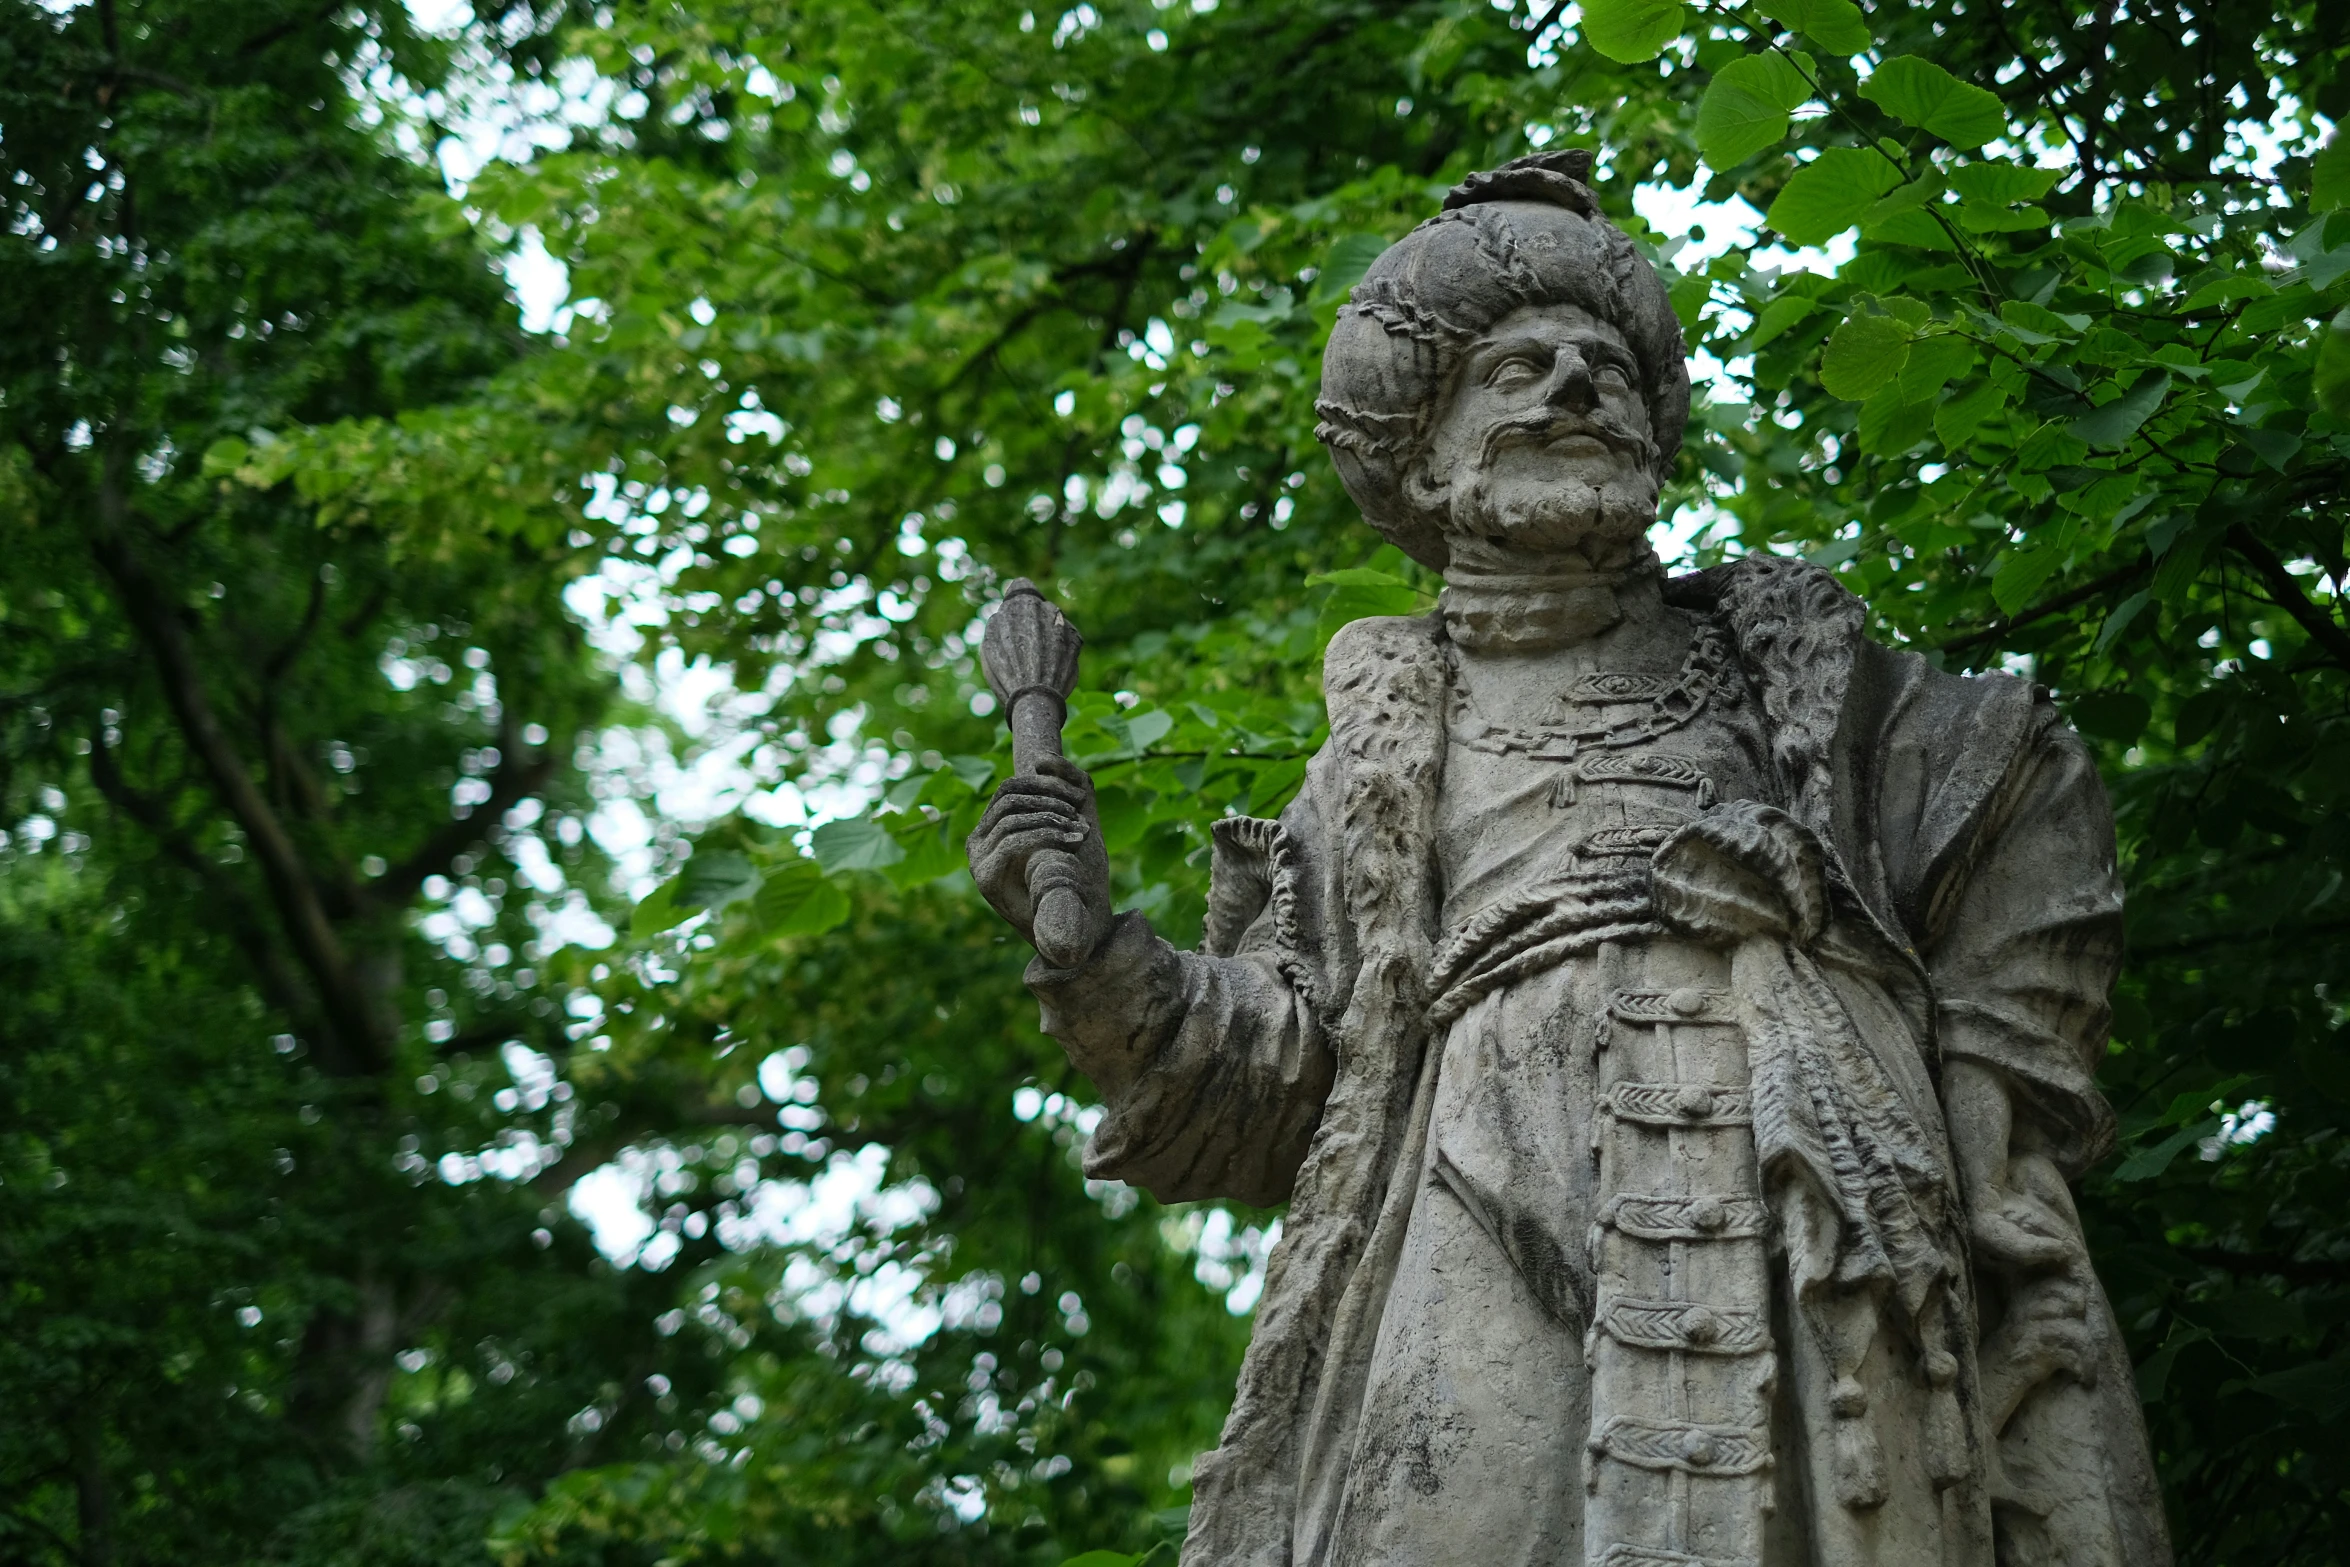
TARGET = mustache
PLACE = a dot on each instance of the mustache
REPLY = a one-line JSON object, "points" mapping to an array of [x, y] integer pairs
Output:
{"points": [[1543, 428]]}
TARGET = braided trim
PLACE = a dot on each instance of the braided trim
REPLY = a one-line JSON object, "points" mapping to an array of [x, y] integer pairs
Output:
{"points": [[1473, 988], [1267, 855], [1362, 430], [1400, 315], [1497, 242]]}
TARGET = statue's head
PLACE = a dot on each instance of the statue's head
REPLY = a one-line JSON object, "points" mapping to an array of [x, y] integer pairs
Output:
{"points": [[1510, 371]]}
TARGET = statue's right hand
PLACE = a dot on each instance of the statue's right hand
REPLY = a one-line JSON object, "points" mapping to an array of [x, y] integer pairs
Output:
{"points": [[1051, 809]]}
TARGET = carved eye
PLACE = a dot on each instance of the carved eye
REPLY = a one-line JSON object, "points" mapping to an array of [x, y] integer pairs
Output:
{"points": [[1611, 378], [1516, 371]]}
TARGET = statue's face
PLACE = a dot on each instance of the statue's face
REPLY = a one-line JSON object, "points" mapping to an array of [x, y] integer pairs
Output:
{"points": [[1545, 444]]}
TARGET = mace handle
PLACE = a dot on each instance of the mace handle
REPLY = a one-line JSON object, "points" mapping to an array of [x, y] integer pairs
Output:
{"points": [[1029, 652]]}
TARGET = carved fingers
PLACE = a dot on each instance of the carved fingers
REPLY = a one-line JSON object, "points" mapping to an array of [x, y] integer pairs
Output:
{"points": [[2015, 1232], [1049, 812], [2046, 1334]]}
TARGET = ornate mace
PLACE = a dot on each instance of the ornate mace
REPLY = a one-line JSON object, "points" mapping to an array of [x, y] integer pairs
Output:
{"points": [[1029, 651]]}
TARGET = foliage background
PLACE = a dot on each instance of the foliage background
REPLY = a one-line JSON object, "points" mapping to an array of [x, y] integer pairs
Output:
{"points": [[366, 659]]}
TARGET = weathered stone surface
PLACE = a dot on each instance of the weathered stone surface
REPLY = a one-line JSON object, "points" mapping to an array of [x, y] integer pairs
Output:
{"points": [[1669, 1015]]}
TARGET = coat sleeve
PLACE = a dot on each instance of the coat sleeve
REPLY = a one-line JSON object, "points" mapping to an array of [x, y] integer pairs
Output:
{"points": [[1213, 1066], [2028, 939]]}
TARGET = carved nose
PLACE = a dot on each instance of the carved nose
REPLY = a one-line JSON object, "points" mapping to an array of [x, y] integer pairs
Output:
{"points": [[1570, 382]]}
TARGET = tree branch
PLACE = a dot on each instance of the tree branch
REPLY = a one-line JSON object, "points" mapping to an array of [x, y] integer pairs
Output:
{"points": [[278, 982], [517, 778], [294, 784], [2323, 629], [357, 1045], [2055, 606], [283, 659]]}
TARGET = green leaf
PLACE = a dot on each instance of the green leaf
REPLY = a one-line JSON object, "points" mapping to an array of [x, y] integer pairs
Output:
{"points": [[1630, 31], [1935, 362], [2001, 183], [797, 900], [1778, 316], [1835, 25], [1911, 313], [2114, 423], [1745, 108], [2147, 1163], [2198, 716], [1913, 228], [2014, 320], [2106, 496], [2017, 579], [2273, 447], [224, 457], [1102, 1559], [1863, 354], [1957, 420], [2329, 174], [2119, 621], [1344, 264], [2332, 380], [855, 843], [2227, 290], [1360, 591], [1828, 195], [1689, 293], [1144, 730], [1920, 93], [1890, 424], [1906, 196], [1371, 591], [657, 911], [1993, 220], [712, 879], [931, 852]]}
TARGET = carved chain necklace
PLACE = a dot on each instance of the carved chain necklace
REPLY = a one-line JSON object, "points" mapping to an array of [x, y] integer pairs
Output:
{"points": [[1704, 675]]}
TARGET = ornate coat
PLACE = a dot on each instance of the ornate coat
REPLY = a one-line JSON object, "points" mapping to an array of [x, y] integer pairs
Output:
{"points": [[1940, 885]]}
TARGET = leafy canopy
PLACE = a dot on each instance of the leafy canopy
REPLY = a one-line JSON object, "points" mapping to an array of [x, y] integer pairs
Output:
{"points": [[873, 306]]}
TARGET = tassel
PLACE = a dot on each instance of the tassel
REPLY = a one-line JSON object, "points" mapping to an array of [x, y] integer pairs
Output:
{"points": [[1946, 1443], [1860, 1461]]}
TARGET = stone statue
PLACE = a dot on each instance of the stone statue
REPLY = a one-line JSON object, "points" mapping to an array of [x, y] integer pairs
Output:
{"points": [[1668, 1014]]}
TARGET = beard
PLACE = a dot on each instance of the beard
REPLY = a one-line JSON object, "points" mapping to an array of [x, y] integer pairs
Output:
{"points": [[1605, 522]]}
